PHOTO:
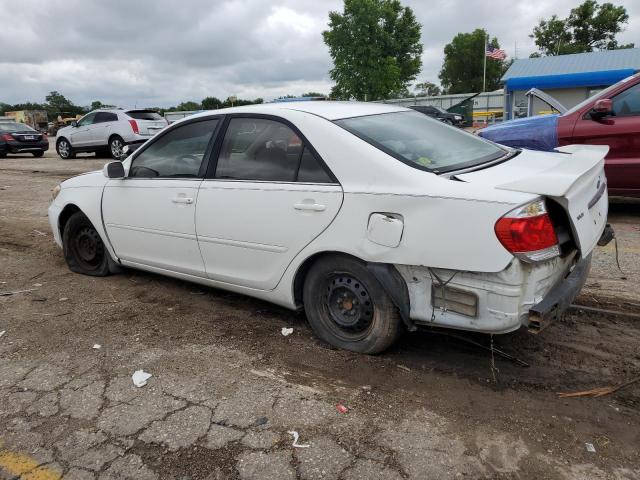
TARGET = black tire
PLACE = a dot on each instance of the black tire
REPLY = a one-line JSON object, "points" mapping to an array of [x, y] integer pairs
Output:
{"points": [[347, 307], [83, 248], [37, 154], [3, 155], [64, 149], [116, 144], [448, 122]]}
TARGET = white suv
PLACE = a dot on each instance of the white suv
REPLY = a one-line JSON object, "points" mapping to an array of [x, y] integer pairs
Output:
{"points": [[108, 131]]}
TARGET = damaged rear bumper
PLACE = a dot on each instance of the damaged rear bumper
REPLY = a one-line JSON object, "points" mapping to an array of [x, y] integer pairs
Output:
{"points": [[495, 303], [558, 299]]}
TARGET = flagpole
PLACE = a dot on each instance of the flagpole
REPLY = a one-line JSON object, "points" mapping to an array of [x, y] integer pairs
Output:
{"points": [[484, 68]]}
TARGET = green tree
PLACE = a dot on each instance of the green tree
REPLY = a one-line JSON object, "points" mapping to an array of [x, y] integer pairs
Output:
{"points": [[57, 104], [462, 69], [211, 103], [427, 89], [375, 47], [188, 106], [589, 27], [96, 104]]}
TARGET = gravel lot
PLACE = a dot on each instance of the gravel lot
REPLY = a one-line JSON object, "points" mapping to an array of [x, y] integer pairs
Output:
{"points": [[227, 387]]}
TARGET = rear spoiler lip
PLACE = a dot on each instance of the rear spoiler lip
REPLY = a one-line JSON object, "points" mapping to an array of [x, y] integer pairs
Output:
{"points": [[556, 182]]}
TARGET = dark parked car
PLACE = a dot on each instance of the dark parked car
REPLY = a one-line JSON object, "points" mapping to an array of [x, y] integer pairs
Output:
{"points": [[20, 138], [440, 114], [611, 117]]}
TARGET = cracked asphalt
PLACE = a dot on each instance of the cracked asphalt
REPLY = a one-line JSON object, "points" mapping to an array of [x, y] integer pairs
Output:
{"points": [[227, 388]]}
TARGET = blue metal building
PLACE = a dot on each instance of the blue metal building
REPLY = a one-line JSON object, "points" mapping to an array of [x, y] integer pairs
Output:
{"points": [[568, 78]]}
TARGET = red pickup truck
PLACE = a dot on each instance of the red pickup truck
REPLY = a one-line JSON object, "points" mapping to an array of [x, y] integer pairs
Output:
{"points": [[611, 117]]}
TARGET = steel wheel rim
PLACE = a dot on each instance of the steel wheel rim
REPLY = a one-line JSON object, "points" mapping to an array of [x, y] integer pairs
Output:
{"points": [[348, 307], [88, 247], [116, 148]]}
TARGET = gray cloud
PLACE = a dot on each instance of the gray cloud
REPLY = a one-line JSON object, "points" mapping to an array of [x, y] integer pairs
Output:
{"points": [[161, 52]]}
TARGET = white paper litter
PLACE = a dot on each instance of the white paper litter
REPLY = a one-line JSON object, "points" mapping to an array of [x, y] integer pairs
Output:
{"points": [[2, 333], [590, 447], [140, 378], [96, 346], [295, 436], [287, 331]]}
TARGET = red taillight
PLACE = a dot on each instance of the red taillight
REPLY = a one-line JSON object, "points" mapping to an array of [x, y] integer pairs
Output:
{"points": [[6, 137], [134, 125], [528, 232]]}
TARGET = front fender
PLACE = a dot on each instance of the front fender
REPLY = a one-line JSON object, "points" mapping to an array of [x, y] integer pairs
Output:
{"points": [[88, 200]]}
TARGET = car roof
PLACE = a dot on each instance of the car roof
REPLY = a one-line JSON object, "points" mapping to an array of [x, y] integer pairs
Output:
{"points": [[330, 110]]}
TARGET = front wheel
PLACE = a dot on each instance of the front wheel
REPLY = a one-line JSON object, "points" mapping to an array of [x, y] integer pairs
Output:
{"points": [[116, 147], [64, 149], [347, 307], [83, 248]]}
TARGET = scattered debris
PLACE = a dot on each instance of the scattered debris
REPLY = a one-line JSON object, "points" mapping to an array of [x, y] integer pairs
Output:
{"points": [[38, 275], [600, 391], [590, 447], [199, 292], [402, 367], [2, 333], [96, 346], [36, 285], [295, 443], [341, 407], [6, 294], [63, 299], [286, 331], [38, 232], [140, 378]]}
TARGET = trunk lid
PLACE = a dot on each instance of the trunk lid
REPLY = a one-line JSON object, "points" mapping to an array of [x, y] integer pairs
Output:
{"points": [[574, 178]]}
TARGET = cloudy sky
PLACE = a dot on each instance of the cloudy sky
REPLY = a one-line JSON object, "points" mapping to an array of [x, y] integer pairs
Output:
{"points": [[163, 52]]}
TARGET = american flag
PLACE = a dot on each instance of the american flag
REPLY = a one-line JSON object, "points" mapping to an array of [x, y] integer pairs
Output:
{"points": [[496, 53]]}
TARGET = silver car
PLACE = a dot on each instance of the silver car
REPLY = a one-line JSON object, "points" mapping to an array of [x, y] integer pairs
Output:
{"points": [[108, 131]]}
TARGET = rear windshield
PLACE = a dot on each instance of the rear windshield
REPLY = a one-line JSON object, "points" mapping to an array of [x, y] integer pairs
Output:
{"points": [[145, 115], [422, 142], [15, 127]]}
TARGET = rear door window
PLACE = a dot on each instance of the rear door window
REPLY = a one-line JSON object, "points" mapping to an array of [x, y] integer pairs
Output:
{"points": [[261, 149]]}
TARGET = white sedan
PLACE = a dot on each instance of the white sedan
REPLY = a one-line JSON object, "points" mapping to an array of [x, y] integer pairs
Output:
{"points": [[373, 218]]}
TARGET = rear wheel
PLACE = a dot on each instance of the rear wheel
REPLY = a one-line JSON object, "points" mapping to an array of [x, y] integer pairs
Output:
{"points": [[64, 149], [116, 147], [348, 308], [37, 154], [83, 248]]}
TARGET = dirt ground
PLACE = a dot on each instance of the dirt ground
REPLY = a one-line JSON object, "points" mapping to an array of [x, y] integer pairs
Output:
{"points": [[227, 387]]}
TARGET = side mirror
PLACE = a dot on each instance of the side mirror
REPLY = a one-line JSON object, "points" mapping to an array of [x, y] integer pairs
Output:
{"points": [[74, 124], [113, 170], [602, 108]]}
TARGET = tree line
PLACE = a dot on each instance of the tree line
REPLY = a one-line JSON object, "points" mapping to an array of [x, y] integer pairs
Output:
{"points": [[376, 48]]}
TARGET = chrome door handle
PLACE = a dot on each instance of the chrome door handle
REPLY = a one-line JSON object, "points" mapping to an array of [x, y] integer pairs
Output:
{"points": [[185, 200], [313, 207]]}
